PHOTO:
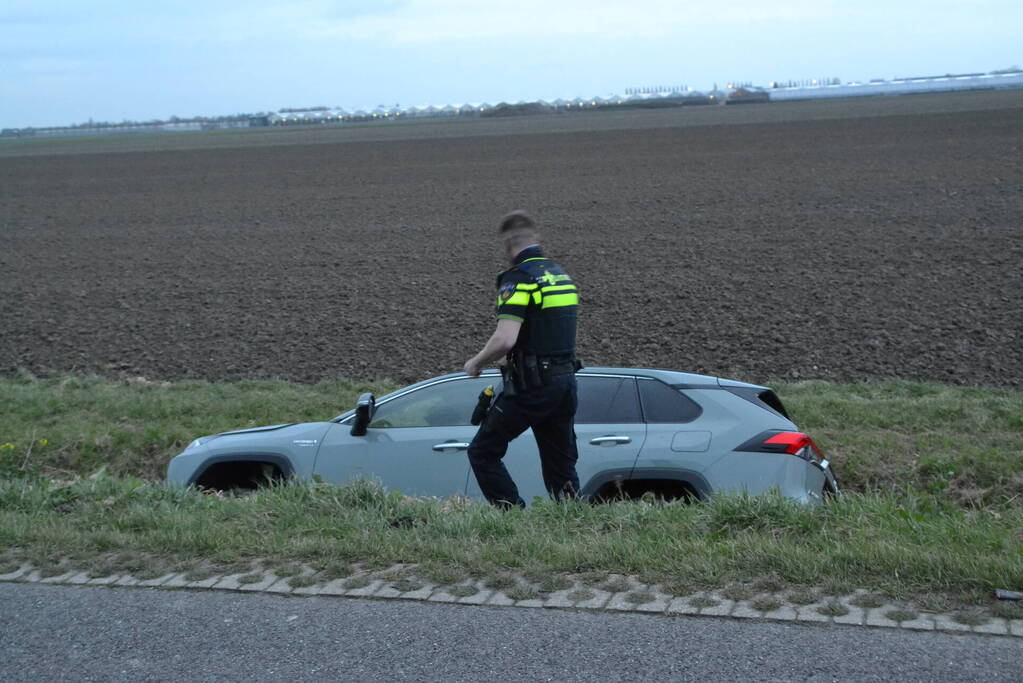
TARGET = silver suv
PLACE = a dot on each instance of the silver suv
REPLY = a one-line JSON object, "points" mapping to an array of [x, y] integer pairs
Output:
{"points": [[673, 434]]}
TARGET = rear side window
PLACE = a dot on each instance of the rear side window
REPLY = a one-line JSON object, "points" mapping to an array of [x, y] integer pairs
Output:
{"points": [[609, 400], [765, 398], [662, 403]]}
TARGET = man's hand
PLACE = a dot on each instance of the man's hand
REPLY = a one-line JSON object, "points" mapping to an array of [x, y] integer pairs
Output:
{"points": [[472, 367]]}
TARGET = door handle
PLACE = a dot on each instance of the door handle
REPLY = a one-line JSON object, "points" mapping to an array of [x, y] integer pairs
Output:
{"points": [[610, 440], [448, 445]]}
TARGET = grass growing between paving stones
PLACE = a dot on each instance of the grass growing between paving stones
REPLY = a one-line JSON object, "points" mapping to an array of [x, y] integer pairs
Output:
{"points": [[463, 591], [899, 547], [901, 615], [833, 608], [766, 603], [959, 443], [802, 597], [867, 601]]}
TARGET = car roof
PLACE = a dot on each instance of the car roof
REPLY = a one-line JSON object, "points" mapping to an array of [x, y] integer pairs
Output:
{"points": [[680, 380]]}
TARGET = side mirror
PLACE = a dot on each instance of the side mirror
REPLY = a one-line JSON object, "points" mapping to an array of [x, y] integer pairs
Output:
{"points": [[364, 409]]}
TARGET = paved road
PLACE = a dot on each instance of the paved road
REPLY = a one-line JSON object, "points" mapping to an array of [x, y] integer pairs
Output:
{"points": [[98, 634]]}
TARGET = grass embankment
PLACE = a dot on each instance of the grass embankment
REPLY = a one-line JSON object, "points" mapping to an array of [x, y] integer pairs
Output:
{"points": [[74, 426], [937, 469], [899, 546], [962, 444]]}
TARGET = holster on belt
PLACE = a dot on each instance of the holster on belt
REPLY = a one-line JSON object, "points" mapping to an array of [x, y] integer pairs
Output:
{"points": [[531, 377], [508, 379], [526, 372]]}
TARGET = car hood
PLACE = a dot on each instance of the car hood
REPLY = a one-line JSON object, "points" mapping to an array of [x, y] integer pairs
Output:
{"points": [[272, 438], [269, 428]]}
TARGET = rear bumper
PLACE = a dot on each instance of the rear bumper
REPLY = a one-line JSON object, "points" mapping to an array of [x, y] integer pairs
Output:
{"points": [[757, 473]]}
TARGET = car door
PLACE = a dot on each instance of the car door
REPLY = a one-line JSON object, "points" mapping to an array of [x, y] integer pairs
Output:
{"points": [[609, 428], [677, 440], [609, 433], [415, 443]]}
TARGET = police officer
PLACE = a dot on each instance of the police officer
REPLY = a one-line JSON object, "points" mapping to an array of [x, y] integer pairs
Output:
{"points": [[537, 304]]}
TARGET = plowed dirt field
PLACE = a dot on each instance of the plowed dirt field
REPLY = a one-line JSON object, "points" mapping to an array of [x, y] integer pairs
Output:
{"points": [[842, 241]]}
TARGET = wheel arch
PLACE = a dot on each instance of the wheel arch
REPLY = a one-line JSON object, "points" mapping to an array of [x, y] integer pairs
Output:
{"points": [[282, 463], [610, 481]]}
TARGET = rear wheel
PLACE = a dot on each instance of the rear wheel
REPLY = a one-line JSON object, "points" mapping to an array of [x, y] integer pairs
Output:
{"points": [[663, 490]]}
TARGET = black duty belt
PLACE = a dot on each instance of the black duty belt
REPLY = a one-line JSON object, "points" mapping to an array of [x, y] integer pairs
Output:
{"points": [[558, 365], [526, 372]]}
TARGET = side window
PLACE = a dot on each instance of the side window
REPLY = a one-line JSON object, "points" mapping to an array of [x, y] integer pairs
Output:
{"points": [[662, 403], [607, 400], [447, 404]]}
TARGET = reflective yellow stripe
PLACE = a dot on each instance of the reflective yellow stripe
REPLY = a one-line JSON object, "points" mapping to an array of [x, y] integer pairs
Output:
{"points": [[537, 297], [517, 299], [522, 286], [558, 288], [570, 299]]}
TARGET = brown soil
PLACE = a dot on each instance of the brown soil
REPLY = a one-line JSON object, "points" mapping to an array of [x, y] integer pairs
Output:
{"points": [[845, 249]]}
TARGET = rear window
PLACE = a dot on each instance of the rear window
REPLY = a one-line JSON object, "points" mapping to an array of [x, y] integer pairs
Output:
{"points": [[662, 403], [610, 400], [765, 398]]}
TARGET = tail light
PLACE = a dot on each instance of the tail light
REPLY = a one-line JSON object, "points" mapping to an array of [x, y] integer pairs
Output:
{"points": [[799, 445], [793, 443]]}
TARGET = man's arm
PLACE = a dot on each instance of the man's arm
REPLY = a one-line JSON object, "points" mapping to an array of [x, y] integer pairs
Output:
{"points": [[499, 344]]}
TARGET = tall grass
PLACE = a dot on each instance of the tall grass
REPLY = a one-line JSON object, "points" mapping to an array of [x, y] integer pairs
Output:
{"points": [[963, 444], [914, 544], [74, 426]]}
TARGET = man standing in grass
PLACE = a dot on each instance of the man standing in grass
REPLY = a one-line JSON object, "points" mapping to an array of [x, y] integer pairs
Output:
{"points": [[537, 305]]}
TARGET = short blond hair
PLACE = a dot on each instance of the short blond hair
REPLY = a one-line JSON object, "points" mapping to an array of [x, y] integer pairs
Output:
{"points": [[518, 229], [517, 220]]}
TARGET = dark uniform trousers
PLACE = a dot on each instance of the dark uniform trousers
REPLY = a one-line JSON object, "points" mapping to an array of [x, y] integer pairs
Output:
{"points": [[550, 411]]}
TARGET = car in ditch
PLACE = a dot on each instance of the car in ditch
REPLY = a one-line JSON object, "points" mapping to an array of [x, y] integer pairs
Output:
{"points": [[675, 435]]}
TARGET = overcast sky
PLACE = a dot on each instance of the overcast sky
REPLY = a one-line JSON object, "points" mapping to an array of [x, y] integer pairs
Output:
{"points": [[67, 61]]}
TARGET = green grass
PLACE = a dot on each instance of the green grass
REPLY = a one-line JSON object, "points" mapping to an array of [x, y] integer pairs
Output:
{"points": [[523, 593], [639, 597], [75, 426], [867, 601], [970, 618], [801, 597], [964, 444], [737, 592], [406, 585], [768, 584], [833, 608], [936, 475], [900, 547], [463, 591], [1007, 610], [766, 603]]}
